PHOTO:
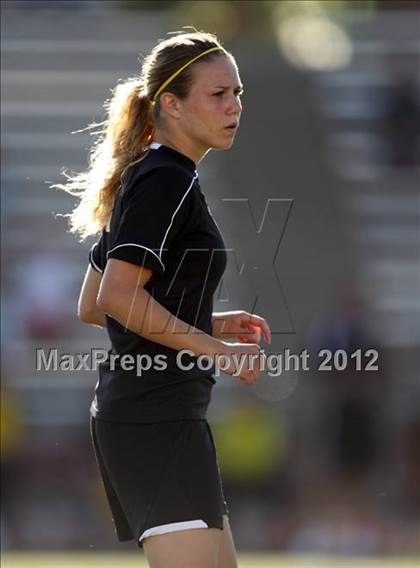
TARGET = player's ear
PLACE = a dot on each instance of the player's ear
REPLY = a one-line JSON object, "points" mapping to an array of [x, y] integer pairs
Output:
{"points": [[170, 104]]}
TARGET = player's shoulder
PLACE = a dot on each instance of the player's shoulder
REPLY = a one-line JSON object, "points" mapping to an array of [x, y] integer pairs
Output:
{"points": [[159, 175], [163, 159]]}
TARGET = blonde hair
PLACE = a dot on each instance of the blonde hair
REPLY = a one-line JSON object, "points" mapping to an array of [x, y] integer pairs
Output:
{"points": [[129, 128]]}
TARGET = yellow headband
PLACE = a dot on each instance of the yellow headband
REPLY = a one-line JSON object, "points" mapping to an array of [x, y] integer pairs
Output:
{"points": [[166, 83]]}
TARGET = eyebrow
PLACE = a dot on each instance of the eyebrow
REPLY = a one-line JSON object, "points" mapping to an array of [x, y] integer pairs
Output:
{"points": [[228, 87]]}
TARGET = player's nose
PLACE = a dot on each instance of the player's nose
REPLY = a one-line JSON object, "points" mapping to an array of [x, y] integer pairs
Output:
{"points": [[235, 105]]}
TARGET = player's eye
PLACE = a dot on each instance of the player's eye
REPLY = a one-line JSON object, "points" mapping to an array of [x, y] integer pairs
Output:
{"points": [[237, 92]]}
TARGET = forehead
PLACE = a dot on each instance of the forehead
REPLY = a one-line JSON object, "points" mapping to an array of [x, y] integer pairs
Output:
{"points": [[221, 71]]}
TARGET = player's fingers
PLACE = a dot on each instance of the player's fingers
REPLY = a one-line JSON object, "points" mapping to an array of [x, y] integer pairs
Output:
{"points": [[250, 377], [252, 337], [263, 325]]}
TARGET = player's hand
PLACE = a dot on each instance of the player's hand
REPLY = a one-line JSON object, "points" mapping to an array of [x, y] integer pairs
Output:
{"points": [[246, 361], [242, 326]]}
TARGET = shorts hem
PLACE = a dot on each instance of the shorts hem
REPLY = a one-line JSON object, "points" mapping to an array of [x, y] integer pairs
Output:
{"points": [[178, 526], [174, 527]]}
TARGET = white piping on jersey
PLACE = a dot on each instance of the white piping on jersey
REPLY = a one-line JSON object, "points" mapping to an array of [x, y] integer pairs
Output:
{"points": [[92, 260], [173, 216], [136, 245], [172, 527], [158, 256]]}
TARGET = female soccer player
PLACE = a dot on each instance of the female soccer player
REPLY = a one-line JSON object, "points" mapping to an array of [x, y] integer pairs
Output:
{"points": [[150, 281]]}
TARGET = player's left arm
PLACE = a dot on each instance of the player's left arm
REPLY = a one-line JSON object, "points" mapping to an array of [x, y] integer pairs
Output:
{"points": [[87, 310]]}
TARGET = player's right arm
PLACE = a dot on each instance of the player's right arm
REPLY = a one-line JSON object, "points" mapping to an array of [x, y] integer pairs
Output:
{"points": [[123, 297]]}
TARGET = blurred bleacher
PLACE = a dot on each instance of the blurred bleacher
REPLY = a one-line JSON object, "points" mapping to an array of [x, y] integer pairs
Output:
{"points": [[381, 200]]}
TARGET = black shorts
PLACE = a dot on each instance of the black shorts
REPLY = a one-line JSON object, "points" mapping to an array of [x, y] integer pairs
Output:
{"points": [[159, 477]]}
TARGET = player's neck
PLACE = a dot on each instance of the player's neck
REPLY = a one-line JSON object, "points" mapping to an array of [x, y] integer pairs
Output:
{"points": [[186, 147]]}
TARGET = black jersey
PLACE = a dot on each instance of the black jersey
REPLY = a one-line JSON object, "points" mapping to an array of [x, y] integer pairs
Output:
{"points": [[160, 220]]}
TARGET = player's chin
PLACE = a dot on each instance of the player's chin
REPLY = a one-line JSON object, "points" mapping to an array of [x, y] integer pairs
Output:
{"points": [[225, 142]]}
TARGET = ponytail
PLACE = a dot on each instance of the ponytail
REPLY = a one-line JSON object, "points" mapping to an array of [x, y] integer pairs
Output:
{"points": [[125, 135]]}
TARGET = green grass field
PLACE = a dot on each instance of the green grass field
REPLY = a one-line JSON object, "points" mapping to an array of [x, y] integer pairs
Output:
{"points": [[136, 560]]}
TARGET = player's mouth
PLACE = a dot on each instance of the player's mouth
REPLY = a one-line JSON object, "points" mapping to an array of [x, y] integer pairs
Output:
{"points": [[232, 127]]}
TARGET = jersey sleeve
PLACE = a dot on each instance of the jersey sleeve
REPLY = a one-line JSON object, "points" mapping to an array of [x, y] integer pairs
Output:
{"points": [[154, 210], [96, 254]]}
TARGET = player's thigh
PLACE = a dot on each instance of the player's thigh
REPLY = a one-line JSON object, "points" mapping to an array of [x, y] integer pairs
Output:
{"points": [[227, 552], [193, 548]]}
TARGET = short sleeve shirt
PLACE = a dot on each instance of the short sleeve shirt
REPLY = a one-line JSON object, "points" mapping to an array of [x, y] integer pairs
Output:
{"points": [[160, 220]]}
